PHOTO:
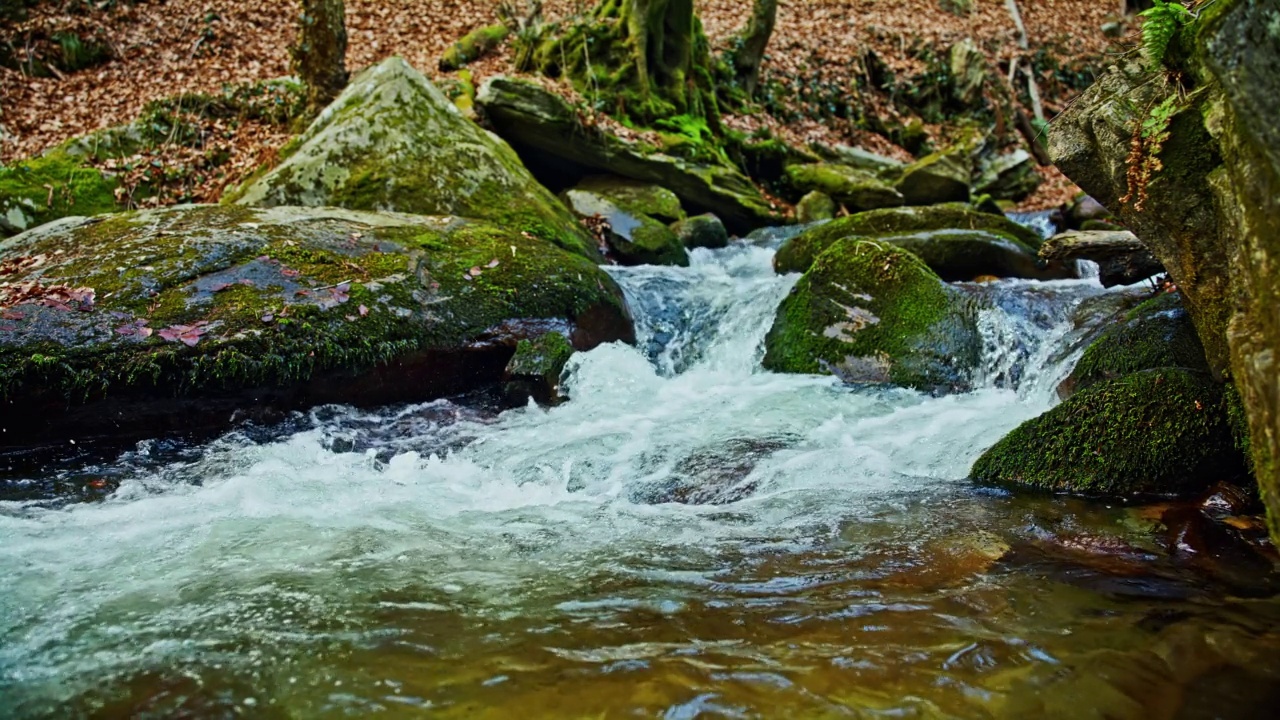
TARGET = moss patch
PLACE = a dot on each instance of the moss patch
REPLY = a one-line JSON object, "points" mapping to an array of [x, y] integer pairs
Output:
{"points": [[47, 187], [1162, 431], [213, 297], [1156, 334]]}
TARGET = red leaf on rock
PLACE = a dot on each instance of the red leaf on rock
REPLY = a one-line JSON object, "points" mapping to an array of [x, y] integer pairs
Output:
{"points": [[15, 315], [363, 310], [188, 335]]}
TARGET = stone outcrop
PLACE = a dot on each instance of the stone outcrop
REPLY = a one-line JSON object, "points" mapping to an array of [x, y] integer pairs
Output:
{"points": [[1211, 214], [392, 141]]}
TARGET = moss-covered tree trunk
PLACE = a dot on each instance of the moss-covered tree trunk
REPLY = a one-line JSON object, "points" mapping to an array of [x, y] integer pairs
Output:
{"points": [[749, 52], [649, 59], [320, 56]]}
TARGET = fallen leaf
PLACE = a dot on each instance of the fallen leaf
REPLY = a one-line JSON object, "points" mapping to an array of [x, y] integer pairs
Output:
{"points": [[475, 271], [493, 263], [363, 310]]}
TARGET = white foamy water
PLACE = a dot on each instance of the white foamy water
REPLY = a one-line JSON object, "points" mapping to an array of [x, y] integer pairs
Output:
{"points": [[254, 555]]}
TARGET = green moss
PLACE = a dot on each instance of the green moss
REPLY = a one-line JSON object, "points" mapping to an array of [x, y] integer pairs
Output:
{"points": [[797, 253], [280, 301], [47, 187], [473, 46], [634, 197], [1156, 334], [855, 188], [543, 357], [1162, 431], [872, 312]]}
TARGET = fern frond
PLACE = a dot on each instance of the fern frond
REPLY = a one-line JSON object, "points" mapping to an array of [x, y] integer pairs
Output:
{"points": [[1161, 23]]}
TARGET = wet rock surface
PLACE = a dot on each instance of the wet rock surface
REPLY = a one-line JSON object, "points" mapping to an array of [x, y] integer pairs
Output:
{"points": [[192, 318]]}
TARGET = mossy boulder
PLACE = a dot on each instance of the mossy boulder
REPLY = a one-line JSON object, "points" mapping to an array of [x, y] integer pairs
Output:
{"points": [[633, 238], [51, 186], [856, 189], [1154, 432], [136, 324], [1156, 334], [815, 206], [869, 312], [392, 141], [957, 241], [701, 231], [547, 130], [635, 197], [937, 178]]}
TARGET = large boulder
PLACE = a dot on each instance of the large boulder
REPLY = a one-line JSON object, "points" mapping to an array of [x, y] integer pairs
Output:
{"points": [[856, 189], [544, 126], [701, 231], [815, 206], [392, 141], [1211, 214], [869, 312], [137, 324], [1154, 432], [955, 240]]}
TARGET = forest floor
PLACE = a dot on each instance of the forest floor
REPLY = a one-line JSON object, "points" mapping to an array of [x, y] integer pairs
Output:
{"points": [[160, 49]]}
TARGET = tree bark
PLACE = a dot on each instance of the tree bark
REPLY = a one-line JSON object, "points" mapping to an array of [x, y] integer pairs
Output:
{"points": [[752, 43], [320, 56]]}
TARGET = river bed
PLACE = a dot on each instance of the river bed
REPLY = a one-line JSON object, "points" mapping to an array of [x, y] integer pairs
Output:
{"points": [[688, 537]]}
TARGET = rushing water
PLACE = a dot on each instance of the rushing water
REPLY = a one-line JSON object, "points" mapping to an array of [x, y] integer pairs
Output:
{"points": [[688, 537]]}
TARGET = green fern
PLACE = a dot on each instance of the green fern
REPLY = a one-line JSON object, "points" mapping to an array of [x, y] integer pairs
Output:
{"points": [[1161, 24]]}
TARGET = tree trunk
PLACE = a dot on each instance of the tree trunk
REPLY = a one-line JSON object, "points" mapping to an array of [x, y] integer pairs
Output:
{"points": [[752, 43], [661, 34], [320, 56]]}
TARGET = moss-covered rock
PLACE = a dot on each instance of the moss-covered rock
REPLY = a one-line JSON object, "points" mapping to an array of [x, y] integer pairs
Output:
{"points": [[535, 369], [938, 178], [139, 323], [815, 206], [51, 186], [633, 237], [1161, 431], [870, 312], [1156, 334], [1011, 176], [392, 141], [543, 127], [701, 231], [473, 46], [1212, 212], [856, 189], [958, 241], [639, 198]]}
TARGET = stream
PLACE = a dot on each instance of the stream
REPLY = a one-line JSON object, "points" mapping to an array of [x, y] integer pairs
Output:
{"points": [[688, 537]]}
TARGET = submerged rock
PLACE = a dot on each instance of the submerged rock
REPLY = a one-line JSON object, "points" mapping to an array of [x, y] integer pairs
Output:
{"points": [[1162, 432], [139, 324], [856, 189], [701, 231], [870, 312], [542, 123], [1156, 334], [392, 141], [955, 240]]}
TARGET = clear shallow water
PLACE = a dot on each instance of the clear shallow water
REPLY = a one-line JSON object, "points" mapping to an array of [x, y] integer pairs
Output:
{"points": [[688, 537]]}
